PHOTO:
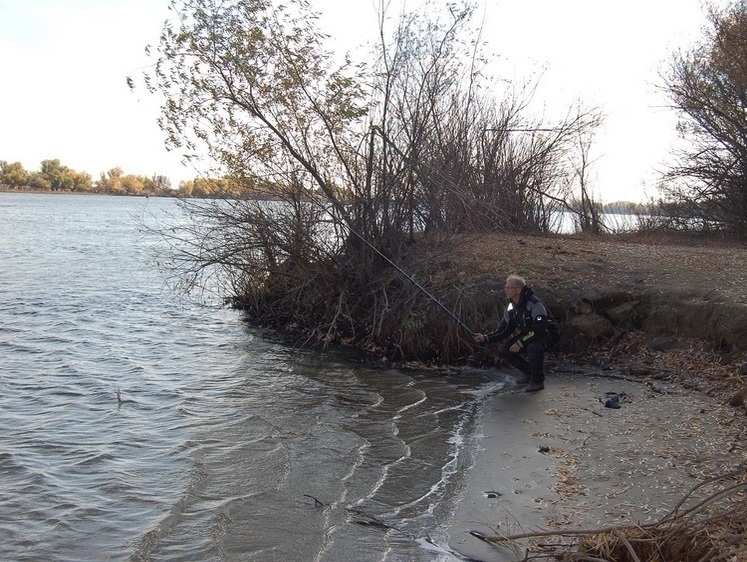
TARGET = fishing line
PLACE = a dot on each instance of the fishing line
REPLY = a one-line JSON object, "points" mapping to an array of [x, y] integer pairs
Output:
{"points": [[345, 223], [414, 282]]}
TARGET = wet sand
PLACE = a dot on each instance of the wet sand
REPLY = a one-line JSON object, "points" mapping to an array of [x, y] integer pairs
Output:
{"points": [[560, 459]]}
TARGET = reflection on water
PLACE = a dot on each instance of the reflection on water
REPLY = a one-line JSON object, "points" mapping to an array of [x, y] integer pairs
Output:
{"points": [[137, 426]]}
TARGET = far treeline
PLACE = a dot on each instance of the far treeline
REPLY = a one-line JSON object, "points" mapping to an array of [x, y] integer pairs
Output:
{"points": [[53, 176], [56, 178]]}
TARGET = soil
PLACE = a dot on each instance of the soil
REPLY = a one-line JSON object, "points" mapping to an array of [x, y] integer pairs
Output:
{"points": [[606, 286]]}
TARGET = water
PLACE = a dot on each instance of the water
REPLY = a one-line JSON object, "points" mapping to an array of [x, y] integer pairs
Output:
{"points": [[137, 426]]}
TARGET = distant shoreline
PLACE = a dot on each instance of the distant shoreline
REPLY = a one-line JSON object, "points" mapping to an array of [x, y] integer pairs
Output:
{"points": [[5, 189]]}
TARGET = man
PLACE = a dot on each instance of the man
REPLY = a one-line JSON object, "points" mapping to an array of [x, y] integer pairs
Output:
{"points": [[526, 323]]}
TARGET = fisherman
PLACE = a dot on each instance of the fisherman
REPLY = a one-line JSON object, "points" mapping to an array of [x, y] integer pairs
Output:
{"points": [[527, 331]]}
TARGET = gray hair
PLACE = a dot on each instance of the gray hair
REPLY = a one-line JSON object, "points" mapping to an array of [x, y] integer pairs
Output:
{"points": [[517, 280]]}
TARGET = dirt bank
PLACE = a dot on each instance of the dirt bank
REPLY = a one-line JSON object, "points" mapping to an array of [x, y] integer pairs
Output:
{"points": [[606, 287], [662, 309]]}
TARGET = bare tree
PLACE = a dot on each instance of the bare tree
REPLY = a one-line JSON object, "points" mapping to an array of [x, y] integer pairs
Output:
{"points": [[587, 210], [708, 85]]}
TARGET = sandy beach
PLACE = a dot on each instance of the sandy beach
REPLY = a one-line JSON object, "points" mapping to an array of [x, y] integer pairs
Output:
{"points": [[560, 459]]}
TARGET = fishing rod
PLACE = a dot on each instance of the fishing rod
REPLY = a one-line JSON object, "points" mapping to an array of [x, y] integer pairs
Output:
{"points": [[346, 223], [413, 281]]}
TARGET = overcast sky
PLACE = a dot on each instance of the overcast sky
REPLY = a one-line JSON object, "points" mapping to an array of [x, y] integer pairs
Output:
{"points": [[63, 90]]}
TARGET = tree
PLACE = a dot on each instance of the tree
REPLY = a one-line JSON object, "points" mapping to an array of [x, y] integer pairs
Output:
{"points": [[116, 182], [55, 176], [13, 174], [588, 216], [337, 170], [111, 182], [708, 85], [157, 185], [81, 181]]}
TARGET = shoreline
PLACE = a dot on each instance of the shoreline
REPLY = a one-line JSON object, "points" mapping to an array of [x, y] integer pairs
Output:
{"points": [[559, 460], [70, 192]]}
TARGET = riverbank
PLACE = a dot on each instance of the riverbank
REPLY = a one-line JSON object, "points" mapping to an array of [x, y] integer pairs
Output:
{"points": [[600, 288], [662, 326], [559, 461], [604, 287]]}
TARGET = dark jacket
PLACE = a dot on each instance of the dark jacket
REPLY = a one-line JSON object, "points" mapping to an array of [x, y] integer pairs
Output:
{"points": [[529, 317]]}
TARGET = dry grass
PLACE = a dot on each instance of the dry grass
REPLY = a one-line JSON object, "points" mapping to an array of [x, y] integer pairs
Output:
{"points": [[692, 365], [714, 528]]}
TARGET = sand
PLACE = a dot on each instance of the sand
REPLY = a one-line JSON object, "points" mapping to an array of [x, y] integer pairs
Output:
{"points": [[560, 459]]}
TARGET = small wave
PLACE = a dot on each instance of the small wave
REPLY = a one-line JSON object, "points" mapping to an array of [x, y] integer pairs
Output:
{"points": [[66, 393], [487, 390], [93, 459], [151, 540]]}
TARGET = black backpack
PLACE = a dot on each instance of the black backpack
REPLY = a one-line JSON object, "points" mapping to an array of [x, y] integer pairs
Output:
{"points": [[552, 330]]}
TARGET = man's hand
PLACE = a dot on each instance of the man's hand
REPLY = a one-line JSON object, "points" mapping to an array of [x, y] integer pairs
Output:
{"points": [[479, 338], [516, 348]]}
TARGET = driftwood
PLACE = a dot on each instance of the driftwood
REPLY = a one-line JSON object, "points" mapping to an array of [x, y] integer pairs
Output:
{"points": [[699, 529]]}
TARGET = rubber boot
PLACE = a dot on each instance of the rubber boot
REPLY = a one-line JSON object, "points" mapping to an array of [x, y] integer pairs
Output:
{"points": [[534, 386]]}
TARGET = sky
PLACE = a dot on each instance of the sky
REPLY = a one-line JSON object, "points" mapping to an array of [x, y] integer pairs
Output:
{"points": [[63, 91]]}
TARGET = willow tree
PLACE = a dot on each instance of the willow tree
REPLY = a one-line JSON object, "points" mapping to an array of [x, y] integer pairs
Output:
{"points": [[339, 171], [708, 85], [249, 87], [13, 174]]}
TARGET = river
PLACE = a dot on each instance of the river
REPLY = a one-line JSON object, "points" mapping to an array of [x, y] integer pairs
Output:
{"points": [[139, 425]]}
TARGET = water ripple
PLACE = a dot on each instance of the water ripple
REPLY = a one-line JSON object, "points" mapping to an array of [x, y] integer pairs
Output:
{"points": [[140, 426]]}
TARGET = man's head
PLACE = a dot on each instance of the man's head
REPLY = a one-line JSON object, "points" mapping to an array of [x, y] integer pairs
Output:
{"points": [[514, 286]]}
